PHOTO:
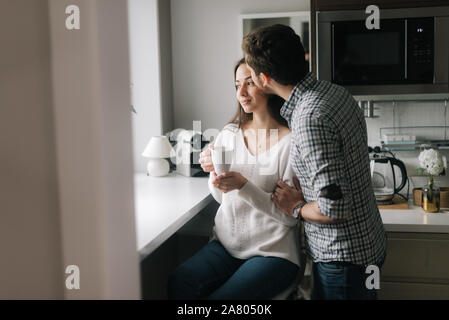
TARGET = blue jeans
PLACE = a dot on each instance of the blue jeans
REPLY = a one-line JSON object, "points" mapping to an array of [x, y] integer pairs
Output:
{"points": [[212, 273], [341, 281]]}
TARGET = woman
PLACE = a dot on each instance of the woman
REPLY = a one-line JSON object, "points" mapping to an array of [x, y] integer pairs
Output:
{"points": [[254, 250]]}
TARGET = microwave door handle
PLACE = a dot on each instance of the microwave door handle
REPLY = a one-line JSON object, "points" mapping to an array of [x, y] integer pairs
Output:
{"points": [[405, 49]]}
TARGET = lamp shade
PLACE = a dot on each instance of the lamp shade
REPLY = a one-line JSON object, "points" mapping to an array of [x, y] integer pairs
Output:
{"points": [[158, 147]]}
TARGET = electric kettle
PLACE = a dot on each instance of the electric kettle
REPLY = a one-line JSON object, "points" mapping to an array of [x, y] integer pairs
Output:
{"points": [[384, 178]]}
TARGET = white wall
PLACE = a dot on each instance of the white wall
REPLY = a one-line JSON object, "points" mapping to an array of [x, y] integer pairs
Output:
{"points": [[408, 114], [30, 239], [206, 45], [145, 75]]}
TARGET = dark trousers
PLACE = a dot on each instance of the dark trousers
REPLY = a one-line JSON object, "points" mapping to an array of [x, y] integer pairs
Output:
{"points": [[212, 273], [342, 281]]}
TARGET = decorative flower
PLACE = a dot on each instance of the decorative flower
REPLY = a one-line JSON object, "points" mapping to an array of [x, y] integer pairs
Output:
{"points": [[432, 161]]}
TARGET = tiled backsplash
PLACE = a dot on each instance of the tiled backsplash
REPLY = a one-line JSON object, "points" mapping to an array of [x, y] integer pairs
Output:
{"points": [[410, 114]]}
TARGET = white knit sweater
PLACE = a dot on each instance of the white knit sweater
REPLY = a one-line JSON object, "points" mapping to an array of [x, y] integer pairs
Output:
{"points": [[248, 223]]}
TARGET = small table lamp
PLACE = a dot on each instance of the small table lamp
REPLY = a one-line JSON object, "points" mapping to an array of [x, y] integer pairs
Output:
{"points": [[157, 149]]}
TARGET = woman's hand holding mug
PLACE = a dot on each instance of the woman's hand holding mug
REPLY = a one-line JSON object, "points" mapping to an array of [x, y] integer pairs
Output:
{"points": [[228, 181], [206, 159]]}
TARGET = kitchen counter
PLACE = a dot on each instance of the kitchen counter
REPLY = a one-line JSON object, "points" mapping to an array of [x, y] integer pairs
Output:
{"points": [[417, 259], [418, 242], [164, 205], [415, 219]]}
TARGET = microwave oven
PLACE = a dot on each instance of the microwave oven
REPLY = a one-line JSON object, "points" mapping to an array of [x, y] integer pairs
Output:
{"points": [[408, 54]]}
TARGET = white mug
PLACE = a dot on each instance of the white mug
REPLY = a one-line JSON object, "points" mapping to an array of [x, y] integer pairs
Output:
{"points": [[222, 158]]}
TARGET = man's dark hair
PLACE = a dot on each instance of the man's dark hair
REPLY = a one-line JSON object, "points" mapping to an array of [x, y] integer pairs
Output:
{"points": [[277, 51]]}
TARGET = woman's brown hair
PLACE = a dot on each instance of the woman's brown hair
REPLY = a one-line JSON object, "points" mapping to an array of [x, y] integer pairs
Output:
{"points": [[274, 105]]}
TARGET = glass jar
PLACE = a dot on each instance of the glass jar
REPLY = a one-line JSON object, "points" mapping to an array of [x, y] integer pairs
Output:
{"points": [[431, 199]]}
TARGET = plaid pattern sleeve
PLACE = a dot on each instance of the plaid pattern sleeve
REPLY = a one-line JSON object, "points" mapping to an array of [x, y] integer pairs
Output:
{"points": [[329, 155], [320, 149]]}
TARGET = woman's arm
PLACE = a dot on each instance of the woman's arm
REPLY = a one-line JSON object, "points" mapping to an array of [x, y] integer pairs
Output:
{"points": [[252, 194], [261, 200], [226, 137], [217, 194]]}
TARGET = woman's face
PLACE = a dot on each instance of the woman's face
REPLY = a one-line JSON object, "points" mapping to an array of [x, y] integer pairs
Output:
{"points": [[250, 97]]}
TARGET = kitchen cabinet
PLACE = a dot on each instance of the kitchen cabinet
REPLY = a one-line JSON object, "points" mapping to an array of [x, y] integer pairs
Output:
{"points": [[416, 267]]}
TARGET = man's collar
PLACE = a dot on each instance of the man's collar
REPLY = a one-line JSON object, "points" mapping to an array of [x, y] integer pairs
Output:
{"points": [[290, 104], [307, 82]]}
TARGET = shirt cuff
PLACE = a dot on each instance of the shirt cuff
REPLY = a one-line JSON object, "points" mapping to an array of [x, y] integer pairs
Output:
{"points": [[334, 209]]}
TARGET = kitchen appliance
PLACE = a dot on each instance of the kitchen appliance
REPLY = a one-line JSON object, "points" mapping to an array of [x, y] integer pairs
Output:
{"points": [[188, 148], [408, 54], [384, 178]]}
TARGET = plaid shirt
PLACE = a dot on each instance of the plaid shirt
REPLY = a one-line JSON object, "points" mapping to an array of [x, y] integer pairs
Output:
{"points": [[329, 148]]}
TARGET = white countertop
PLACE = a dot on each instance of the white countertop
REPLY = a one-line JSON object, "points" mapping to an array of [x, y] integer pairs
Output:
{"points": [[415, 220], [164, 204]]}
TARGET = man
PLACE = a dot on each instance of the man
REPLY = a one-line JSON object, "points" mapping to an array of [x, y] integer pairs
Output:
{"points": [[343, 228]]}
